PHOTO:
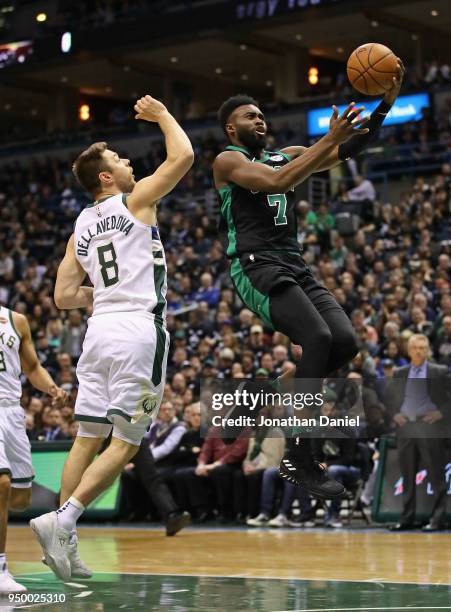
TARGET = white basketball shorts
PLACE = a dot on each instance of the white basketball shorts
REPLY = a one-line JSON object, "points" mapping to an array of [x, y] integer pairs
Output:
{"points": [[15, 450], [121, 373]]}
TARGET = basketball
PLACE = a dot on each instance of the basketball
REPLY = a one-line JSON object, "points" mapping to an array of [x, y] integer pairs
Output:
{"points": [[371, 68]]}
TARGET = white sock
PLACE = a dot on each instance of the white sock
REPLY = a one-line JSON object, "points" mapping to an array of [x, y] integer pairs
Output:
{"points": [[69, 513], [3, 562]]}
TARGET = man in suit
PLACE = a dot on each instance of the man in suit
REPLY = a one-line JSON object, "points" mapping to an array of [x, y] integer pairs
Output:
{"points": [[418, 400]]}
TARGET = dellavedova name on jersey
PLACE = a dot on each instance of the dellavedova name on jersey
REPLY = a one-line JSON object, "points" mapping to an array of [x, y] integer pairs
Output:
{"points": [[112, 222], [9, 342]]}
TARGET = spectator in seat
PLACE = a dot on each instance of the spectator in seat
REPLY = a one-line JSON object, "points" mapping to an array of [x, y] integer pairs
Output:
{"points": [[363, 190], [165, 433], [265, 450], [218, 460], [53, 332], [207, 292], [52, 425], [442, 346], [188, 449], [46, 353], [270, 481]]}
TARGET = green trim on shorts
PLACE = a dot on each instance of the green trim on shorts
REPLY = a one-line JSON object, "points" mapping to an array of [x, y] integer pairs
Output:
{"points": [[157, 369], [29, 479], [159, 276], [252, 298], [119, 412], [91, 419]]}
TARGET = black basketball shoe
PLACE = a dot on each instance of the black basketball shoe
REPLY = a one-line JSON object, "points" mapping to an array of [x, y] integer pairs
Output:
{"points": [[313, 476]]}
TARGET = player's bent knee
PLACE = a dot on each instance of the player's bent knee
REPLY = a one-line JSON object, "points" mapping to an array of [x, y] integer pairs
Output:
{"points": [[20, 499], [5, 486]]}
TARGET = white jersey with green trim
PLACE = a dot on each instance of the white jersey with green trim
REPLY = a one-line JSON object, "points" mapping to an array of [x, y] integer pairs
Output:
{"points": [[123, 257], [10, 368]]}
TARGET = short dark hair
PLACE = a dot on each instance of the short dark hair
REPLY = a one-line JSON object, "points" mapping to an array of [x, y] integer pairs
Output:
{"points": [[230, 105], [88, 165]]}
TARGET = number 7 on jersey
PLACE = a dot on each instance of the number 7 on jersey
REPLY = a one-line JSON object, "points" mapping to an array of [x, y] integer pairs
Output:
{"points": [[279, 200]]}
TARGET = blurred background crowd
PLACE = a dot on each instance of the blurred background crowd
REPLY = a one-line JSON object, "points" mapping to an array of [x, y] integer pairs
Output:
{"points": [[388, 263]]}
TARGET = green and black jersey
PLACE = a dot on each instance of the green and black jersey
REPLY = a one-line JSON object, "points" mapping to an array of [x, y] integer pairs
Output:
{"points": [[254, 221]]}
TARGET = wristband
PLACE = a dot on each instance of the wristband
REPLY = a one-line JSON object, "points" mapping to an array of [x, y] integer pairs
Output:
{"points": [[358, 142]]}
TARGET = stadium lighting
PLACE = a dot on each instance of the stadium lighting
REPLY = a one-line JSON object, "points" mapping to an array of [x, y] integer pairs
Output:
{"points": [[313, 75], [41, 17], [84, 112], [66, 42]]}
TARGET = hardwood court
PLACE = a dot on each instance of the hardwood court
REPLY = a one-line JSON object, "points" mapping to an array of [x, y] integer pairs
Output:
{"points": [[278, 569]]}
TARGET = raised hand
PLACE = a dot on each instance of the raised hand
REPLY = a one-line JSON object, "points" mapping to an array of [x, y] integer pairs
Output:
{"points": [[392, 93], [149, 109], [343, 127]]}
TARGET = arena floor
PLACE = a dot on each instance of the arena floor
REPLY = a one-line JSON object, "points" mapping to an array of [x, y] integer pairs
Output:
{"points": [[240, 569]]}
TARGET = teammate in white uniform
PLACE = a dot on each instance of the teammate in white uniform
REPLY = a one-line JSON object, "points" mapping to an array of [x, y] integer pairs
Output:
{"points": [[122, 368], [17, 354]]}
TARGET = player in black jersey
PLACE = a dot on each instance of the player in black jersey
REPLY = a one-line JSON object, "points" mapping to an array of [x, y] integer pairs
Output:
{"points": [[259, 228]]}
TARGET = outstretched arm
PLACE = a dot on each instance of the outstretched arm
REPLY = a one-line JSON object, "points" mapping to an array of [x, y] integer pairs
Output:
{"points": [[234, 167], [358, 142], [179, 156], [29, 362], [68, 290]]}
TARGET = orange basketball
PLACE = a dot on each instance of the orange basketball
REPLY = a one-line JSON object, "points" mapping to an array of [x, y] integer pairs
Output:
{"points": [[371, 68]]}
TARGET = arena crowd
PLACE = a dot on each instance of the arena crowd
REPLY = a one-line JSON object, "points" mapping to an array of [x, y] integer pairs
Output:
{"points": [[391, 275]]}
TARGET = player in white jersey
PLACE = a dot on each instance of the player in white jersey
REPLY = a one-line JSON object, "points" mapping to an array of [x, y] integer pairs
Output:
{"points": [[17, 354], [122, 368]]}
